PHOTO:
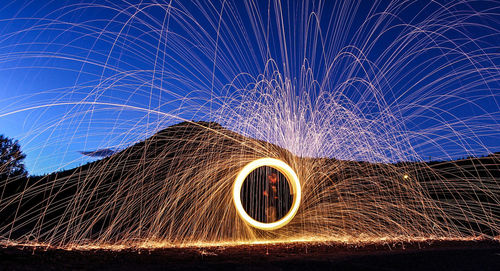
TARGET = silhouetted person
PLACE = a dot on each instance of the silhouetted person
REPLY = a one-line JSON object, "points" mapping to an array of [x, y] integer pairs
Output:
{"points": [[271, 194]]}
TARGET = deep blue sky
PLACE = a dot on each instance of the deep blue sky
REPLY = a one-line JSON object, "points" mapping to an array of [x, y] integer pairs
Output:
{"points": [[434, 65]]}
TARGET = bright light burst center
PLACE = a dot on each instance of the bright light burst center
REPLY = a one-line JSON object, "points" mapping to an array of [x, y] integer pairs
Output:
{"points": [[290, 175]]}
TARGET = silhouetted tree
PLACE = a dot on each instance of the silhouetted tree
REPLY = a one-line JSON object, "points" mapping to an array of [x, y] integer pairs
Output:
{"points": [[11, 159]]}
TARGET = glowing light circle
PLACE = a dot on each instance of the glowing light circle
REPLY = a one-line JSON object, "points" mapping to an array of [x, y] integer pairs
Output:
{"points": [[291, 176]]}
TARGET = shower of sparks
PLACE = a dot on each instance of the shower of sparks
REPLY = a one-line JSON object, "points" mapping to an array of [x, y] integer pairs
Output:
{"points": [[353, 97]]}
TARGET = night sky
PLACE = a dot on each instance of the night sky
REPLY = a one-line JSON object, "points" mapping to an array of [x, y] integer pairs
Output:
{"points": [[67, 66]]}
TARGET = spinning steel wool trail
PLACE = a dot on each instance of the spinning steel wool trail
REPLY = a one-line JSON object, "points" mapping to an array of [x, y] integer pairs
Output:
{"points": [[256, 121], [289, 175]]}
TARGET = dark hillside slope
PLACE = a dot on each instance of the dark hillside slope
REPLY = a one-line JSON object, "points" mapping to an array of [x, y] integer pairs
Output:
{"points": [[51, 204], [157, 186]]}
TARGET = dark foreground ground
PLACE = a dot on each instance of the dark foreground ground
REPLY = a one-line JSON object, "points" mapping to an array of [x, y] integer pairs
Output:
{"points": [[437, 255]]}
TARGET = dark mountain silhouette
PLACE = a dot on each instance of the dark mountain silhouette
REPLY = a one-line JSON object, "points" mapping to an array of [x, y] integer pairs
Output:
{"points": [[184, 149]]}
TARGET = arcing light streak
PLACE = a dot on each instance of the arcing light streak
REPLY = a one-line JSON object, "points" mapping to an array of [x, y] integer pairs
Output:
{"points": [[290, 175]]}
